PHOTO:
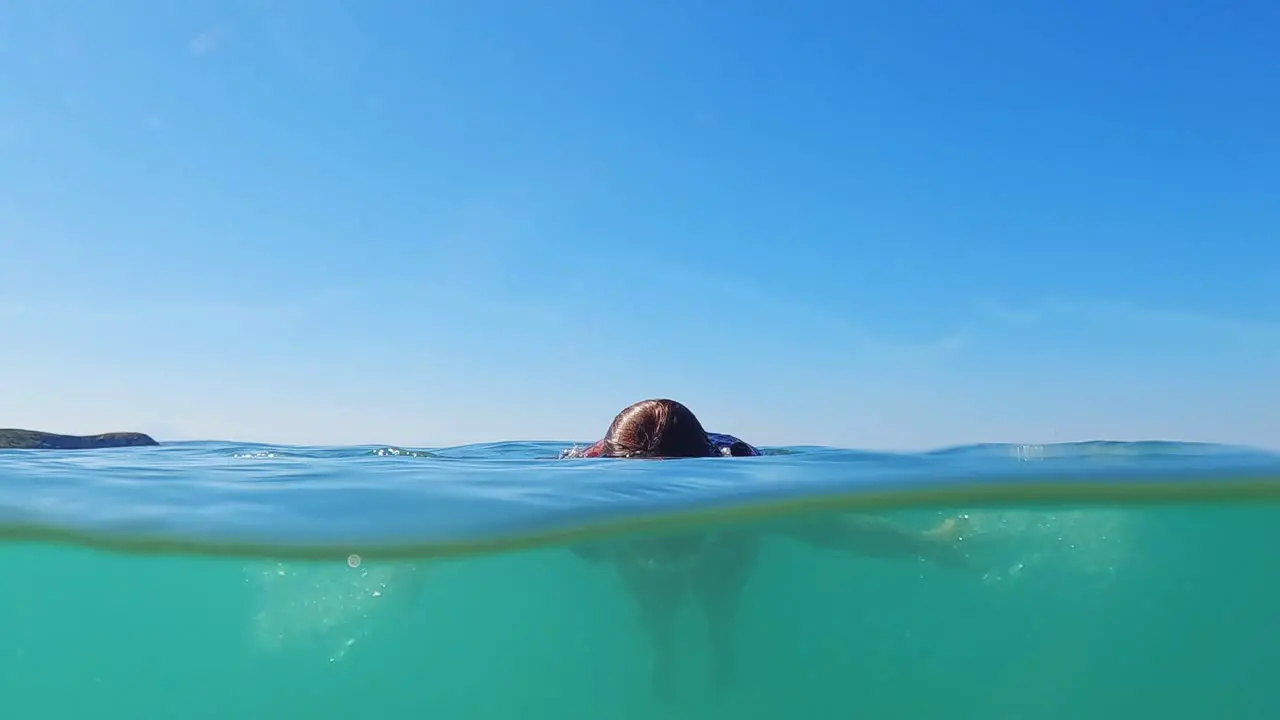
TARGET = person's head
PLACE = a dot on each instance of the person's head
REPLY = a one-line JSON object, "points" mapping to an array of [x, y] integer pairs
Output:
{"points": [[656, 429]]}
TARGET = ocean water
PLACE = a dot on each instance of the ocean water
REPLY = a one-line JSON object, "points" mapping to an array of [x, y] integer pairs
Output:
{"points": [[215, 580]]}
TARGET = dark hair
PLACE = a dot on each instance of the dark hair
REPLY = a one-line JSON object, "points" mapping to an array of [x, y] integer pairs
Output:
{"points": [[656, 429]]}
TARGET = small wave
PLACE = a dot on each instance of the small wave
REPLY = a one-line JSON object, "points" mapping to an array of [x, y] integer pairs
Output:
{"points": [[285, 502], [400, 452]]}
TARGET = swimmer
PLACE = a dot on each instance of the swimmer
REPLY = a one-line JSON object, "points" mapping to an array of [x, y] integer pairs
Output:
{"points": [[714, 564]]}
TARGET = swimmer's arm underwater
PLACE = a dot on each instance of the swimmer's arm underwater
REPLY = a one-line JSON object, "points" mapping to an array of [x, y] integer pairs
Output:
{"points": [[875, 537]]}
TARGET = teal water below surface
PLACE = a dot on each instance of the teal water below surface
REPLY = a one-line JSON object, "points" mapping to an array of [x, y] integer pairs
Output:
{"points": [[212, 580]]}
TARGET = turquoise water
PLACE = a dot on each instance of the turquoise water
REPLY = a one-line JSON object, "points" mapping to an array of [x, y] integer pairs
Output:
{"points": [[213, 580]]}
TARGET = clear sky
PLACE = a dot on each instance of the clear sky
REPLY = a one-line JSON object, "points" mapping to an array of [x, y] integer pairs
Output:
{"points": [[870, 224]]}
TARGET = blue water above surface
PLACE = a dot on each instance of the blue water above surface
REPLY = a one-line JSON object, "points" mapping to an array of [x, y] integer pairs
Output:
{"points": [[261, 499]]}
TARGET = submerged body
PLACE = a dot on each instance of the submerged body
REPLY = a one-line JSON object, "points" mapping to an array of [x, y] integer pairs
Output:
{"points": [[713, 565]]}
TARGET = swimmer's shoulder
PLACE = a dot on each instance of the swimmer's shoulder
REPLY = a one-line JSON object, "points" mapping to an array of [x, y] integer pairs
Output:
{"points": [[730, 446]]}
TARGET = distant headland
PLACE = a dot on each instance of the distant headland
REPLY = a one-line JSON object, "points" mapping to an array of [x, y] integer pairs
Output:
{"points": [[13, 439]]}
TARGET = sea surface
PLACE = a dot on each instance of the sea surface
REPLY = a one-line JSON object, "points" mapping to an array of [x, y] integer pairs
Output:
{"points": [[218, 581]]}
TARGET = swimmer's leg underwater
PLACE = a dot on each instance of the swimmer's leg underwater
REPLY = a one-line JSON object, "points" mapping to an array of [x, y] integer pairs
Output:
{"points": [[874, 537], [730, 555], [723, 565], [657, 595], [728, 559]]}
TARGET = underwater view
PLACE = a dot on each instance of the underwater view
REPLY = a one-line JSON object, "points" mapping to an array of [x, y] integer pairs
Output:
{"points": [[216, 580]]}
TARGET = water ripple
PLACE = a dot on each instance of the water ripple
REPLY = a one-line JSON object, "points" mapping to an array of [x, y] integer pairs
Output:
{"points": [[290, 501]]}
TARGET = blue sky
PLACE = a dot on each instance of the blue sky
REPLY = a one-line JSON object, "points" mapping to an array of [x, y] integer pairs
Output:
{"points": [[889, 225]]}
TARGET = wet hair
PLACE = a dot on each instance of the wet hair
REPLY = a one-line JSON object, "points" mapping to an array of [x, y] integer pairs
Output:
{"points": [[656, 429]]}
